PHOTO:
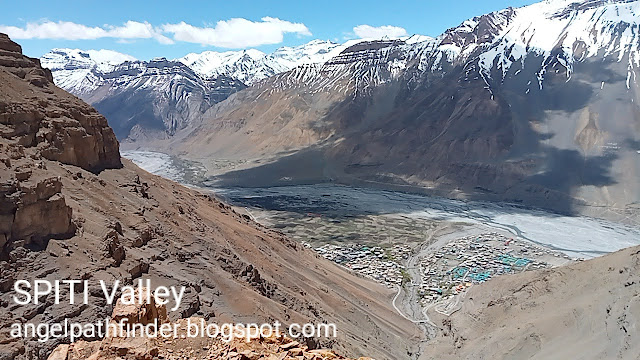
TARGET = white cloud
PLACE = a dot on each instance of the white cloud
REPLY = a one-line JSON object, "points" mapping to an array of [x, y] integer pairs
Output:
{"points": [[368, 31], [237, 32], [138, 30], [72, 31], [52, 30], [233, 33]]}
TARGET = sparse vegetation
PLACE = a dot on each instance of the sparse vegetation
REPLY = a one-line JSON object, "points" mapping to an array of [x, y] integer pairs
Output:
{"points": [[406, 277]]}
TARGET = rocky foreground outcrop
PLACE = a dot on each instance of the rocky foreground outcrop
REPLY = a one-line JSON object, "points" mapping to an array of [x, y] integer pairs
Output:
{"points": [[180, 346], [34, 113], [32, 210], [39, 121], [71, 209]]}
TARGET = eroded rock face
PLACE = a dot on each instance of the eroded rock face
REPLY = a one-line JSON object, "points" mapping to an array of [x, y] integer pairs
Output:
{"points": [[41, 211], [32, 207], [35, 113]]}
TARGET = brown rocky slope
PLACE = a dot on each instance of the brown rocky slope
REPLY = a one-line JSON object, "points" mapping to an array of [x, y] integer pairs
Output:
{"points": [[72, 210], [588, 310]]}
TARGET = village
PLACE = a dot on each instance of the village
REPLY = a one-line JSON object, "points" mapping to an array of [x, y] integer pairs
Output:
{"points": [[377, 263], [399, 250], [470, 260], [447, 271]]}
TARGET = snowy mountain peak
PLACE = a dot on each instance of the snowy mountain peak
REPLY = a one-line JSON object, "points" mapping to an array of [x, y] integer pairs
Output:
{"points": [[415, 39], [235, 64], [320, 42], [493, 45], [252, 65], [550, 33], [529, 42], [574, 30], [59, 59], [314, 52], [78, 71]]}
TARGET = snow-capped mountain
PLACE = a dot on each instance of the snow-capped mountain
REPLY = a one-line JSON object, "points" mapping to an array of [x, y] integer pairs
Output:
{"points": [[314, 52], [81, 72], [139, 98], [359, 67], [553, 32], [321, 55], [78, 71], [253, 65], [69, 59], [539, 104], [548, 34], [244, 65]]}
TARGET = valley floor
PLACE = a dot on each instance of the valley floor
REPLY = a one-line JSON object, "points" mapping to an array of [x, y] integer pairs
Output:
{"points": [[303, 212], [430, 250]]}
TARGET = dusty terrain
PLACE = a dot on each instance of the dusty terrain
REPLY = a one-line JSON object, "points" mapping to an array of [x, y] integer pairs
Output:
{"points": [[572, 312], [587, 310], [72, 210]]}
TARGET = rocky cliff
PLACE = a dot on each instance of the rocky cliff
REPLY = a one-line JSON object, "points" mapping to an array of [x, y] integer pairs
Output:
{"points": [[38, 121], [34, 113]]}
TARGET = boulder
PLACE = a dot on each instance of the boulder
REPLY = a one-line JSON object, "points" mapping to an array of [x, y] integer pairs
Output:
{"points": [[140, 313], [33, 212]]}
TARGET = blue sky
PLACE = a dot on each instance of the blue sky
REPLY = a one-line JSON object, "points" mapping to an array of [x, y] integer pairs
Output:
{"points": [[147, 29]]}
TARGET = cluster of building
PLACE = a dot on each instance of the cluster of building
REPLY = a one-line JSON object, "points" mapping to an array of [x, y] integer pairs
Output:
{"points": [[377, 263], [447, 271], [475, 259]]}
